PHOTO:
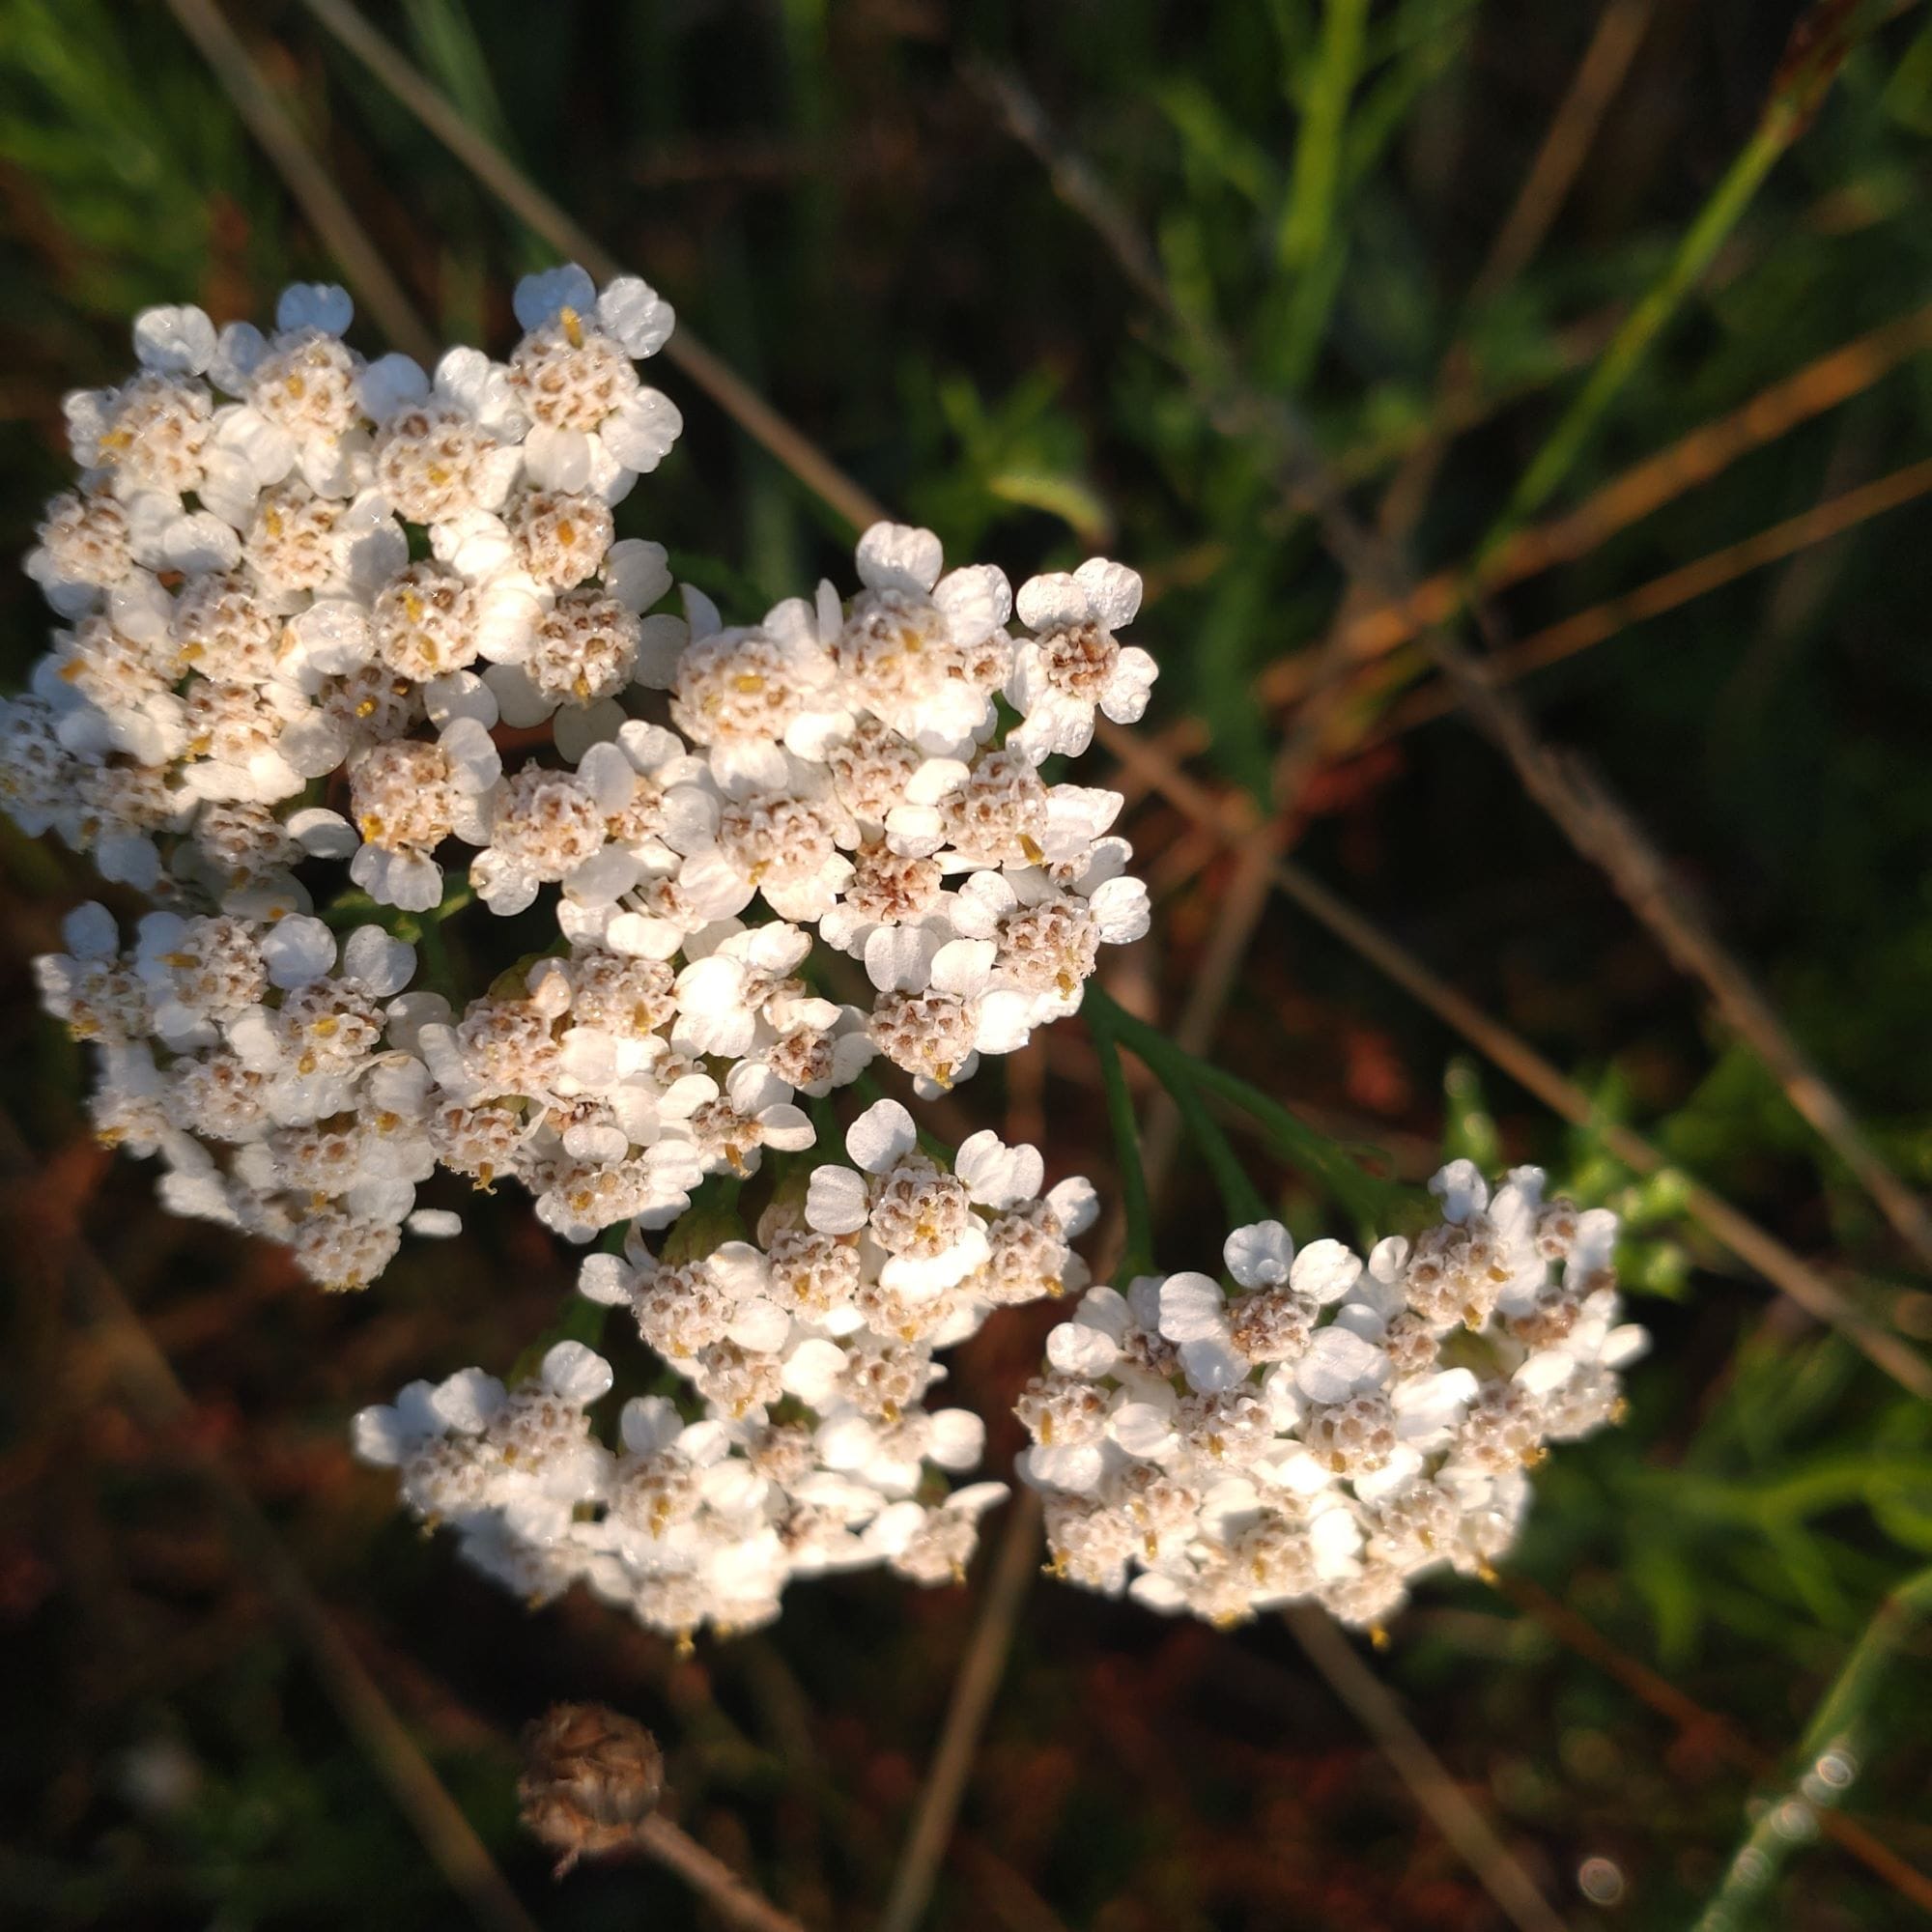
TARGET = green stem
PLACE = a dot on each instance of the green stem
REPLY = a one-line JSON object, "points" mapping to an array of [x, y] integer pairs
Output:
{"points": [[433, 949], [1831, 1752], [1240, 1196], [1137, 1259], [1836, 1482], [1715, 220], [456, 893], [354, 907], [1366, 1198]]}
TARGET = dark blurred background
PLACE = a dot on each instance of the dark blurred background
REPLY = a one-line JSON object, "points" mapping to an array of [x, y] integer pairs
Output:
{"points": [[834, 198]]}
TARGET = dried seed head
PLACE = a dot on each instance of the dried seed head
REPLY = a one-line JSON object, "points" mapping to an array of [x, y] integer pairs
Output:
{"points": [[590, 1778]]}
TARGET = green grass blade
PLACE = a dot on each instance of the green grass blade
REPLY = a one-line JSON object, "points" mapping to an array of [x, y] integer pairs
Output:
{"points": [[1832, 1750], [1308, 245]]}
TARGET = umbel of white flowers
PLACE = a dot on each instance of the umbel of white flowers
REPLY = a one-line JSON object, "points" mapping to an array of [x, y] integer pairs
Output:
{"points": [[334, 629], [803, 1444]]}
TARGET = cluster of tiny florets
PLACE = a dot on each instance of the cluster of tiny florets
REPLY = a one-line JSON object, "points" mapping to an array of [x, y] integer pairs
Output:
{"points": [[1326, 1428], [803, 1443], [349, 635], [346, 645]]}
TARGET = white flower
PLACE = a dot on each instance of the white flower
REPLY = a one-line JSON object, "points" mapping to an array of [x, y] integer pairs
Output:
{"points": [[781, 845], [1073, 666], [302, 409], [151, 434], [443, 445], [548, 827], [946, 1006], [722, 997], [594, 428], [925, 653], [406, 797], [325, 1034], [177, 340], [333, 627], [742, 690], [579, 650]]}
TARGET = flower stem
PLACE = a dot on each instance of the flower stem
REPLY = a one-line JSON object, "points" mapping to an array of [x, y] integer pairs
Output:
{"points": [[1101, 1014], [1239, 1195], [1366, 1197]]}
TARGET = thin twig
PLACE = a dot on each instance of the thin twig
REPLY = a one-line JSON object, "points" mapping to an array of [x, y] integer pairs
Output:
{"points": [[1007, 1895], [733, 1897], [158, 1397], [975, 1684], [1824, 35], [522, 196], [1605, 830], [1601, 622], [1752, 1244], [1127, 1250], [1682, 1709], [262, 111], [1563, 448], [1073, 180], [1559, 159], [1693, 460], [1436, 1794]]}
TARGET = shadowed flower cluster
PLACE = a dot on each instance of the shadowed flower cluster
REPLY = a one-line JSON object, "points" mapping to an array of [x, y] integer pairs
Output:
{"points": [[801, 1441]]}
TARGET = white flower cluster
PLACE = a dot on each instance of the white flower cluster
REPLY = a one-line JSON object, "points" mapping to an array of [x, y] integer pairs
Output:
{"points": [[1329, 1428], [329, 627], [326, 613], [803, 1443]]}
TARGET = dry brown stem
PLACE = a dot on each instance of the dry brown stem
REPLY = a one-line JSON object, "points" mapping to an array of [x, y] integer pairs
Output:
{"points": [[1436, 1794], [975, 1684], [1601, 622], [265, 116]]}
